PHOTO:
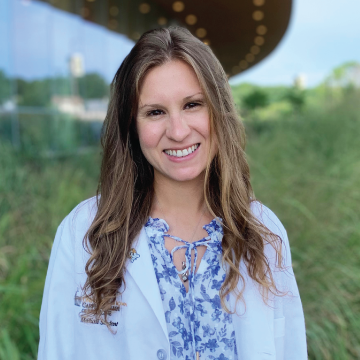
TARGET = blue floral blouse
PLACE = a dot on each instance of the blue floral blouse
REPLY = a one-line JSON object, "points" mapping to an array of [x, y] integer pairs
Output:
{"points": [[195, 320]]}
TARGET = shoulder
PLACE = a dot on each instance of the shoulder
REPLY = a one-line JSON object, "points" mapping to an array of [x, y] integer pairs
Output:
{"points": [[78, 221], [83, 214], [68, 249], [268, 219]]}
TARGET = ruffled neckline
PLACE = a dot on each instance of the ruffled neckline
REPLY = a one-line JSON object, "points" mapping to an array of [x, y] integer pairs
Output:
{"points": [[161, 226]]}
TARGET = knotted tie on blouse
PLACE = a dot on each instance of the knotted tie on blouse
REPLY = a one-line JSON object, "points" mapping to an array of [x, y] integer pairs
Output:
{"points": [[212, 244]]}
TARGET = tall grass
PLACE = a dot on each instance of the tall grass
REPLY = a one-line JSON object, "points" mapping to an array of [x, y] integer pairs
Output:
{"points": [[35, 195], [306, 168]]}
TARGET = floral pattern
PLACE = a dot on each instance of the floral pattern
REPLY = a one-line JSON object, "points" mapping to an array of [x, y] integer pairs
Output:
{"points": [[195, 319]]}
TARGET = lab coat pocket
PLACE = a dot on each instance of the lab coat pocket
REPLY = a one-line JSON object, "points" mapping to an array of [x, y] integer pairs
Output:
{"points": [[279, 334]]}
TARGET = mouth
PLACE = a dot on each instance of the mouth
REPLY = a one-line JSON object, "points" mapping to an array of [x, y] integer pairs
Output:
{"points": [[183, 152]]}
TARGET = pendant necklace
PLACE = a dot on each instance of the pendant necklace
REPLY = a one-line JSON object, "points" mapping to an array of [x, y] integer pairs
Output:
{"points": [[184, 276]]}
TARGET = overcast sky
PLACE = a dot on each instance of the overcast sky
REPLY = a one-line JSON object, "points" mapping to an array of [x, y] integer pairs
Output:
{"points": [[322, 35]]}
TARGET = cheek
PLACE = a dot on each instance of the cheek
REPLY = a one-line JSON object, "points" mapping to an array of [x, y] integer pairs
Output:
{"points": [[204, 129], [204, 126], [149, 135]]}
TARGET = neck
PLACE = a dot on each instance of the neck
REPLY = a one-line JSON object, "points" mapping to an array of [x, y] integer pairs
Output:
{"points": [[181, 199]]}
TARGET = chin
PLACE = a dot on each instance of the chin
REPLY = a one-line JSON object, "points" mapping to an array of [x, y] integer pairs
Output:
{"points": [[186, 176]]}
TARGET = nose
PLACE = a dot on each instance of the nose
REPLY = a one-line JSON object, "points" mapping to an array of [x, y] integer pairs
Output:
{"points": [[177, 128]]}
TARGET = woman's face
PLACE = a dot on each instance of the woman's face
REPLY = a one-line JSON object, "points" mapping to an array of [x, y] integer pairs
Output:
{"points": [[173, 122]]}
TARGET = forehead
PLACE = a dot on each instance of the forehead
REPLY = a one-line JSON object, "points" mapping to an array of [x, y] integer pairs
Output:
{"points": [[173, 79]]}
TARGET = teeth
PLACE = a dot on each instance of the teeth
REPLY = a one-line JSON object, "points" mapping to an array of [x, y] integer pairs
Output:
{"points": [[181, 153]]}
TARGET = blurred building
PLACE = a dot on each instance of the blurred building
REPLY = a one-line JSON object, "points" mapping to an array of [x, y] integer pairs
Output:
{"points": [[59, 56], [300, 81]]}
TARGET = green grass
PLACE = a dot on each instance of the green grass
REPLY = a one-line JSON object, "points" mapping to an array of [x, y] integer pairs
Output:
{"points": [[306, 168], [36, 194]]}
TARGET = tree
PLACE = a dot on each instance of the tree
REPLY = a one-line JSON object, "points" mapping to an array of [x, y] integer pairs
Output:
{"points": [[296, 97], [256, 99], [5, 91], [93, 86], [346, 76], [34, 93]]}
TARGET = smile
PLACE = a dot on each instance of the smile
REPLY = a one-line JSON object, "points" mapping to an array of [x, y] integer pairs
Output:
{"points": [[182, 153]]}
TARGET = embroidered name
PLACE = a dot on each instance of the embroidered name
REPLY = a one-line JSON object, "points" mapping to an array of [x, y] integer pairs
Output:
{"points": [[87, 305], [95, 321]]}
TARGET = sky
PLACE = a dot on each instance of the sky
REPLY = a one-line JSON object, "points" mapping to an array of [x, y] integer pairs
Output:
{"points": [[322, 35], [37, 40]]}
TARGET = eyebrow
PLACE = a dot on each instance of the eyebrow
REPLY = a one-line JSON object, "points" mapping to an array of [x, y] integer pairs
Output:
{"points": [[159, 105]]}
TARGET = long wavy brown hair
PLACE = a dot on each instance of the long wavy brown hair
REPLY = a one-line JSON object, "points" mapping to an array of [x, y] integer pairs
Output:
{"points": [[125, 191]]}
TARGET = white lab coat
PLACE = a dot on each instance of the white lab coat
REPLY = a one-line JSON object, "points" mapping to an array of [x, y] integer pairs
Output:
{"points": [[262, 332]]}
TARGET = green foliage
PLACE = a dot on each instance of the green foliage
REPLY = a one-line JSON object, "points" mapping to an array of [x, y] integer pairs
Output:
{"points": [[61, 86], [344, 75], [256, 99], [93, 86], [296, 97], [275, 111], [5, 90], [261, 102], [8, 350], [307, 170], [36, 194], [34, 93], [39, 92], [273, 93], [58, 133]]}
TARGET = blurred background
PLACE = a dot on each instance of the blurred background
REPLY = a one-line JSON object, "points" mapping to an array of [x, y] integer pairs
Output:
{"points": [[294, 68]]}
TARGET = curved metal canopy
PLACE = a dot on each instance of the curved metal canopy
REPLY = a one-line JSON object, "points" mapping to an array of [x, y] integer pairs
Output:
{"points": [[240, 32]]}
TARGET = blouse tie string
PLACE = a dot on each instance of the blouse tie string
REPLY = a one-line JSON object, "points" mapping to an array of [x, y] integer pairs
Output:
{"points": [[207, 241]]}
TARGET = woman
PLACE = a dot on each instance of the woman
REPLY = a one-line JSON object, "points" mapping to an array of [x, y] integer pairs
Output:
{"points": [[128, 277]]}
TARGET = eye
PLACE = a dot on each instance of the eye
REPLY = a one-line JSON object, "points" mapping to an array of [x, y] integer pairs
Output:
{"points": [[192, 104], [154, 112]]}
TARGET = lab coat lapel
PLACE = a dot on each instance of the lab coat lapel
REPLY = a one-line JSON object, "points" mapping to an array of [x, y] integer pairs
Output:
{"points": [[252, 323], [142, 271]]}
